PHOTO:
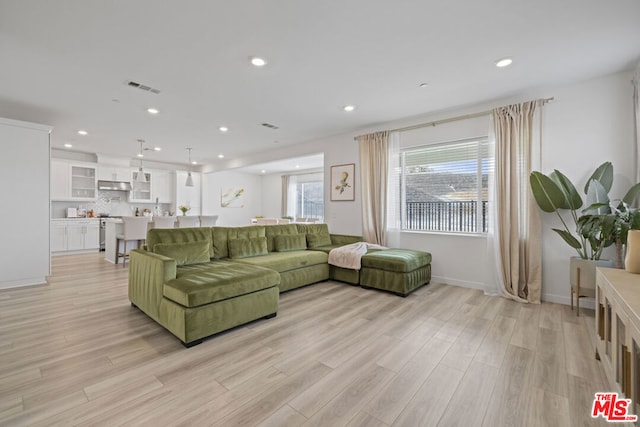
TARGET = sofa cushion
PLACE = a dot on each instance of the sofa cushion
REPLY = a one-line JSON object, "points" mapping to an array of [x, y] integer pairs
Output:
{"points": [[247, 247], [313, 228], [287, 261], [318, 240], [273, 231], [291, 242], [221, 236], [397, 260], [217, 281], [185, 253], [178, 235]]}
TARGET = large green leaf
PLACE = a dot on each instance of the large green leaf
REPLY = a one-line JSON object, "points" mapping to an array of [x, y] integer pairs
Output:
{"points": [[572, 198], [548, 195], [568, 237], [632, 195], [604, 175], [635, 220], [597, 199]]}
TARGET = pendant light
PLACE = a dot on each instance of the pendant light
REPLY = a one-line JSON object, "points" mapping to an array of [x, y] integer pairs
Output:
{"points": [[189, 182], [140, 177]]}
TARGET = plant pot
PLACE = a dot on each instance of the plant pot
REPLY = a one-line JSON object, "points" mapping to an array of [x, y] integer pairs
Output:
{"points": [[632, 259], [587, 272]]}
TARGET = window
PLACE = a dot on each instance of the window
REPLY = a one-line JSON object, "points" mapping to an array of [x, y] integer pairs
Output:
{"points": [[444, 187], [306, 196]]}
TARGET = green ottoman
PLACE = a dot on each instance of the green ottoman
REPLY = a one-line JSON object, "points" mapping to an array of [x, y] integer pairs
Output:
{"points": [[400, 271]]}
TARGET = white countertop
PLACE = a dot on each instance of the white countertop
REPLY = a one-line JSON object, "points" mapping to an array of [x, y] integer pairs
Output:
{"points": [[75, 219]]}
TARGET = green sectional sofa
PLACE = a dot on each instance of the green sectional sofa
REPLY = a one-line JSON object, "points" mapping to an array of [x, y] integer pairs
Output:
{"points": [[196, 282]]}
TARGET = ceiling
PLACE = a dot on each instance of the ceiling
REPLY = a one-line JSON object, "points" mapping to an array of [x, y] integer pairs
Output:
{"points": [[66, 64]]}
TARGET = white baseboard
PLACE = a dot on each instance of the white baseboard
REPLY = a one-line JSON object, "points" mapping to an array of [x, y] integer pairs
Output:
{"points": [[566, 300], [457, 282], [558, 299], [33, 281]]}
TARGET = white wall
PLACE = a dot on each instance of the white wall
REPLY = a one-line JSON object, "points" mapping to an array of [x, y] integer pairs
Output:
{"points": [[215, 182], [587, 123], [24, 170], [271, 196]]}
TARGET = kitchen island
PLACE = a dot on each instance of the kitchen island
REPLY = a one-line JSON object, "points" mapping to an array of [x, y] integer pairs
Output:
{"points": [[114, 227]]}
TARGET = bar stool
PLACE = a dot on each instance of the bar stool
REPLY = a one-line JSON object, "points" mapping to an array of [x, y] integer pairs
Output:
{"points": [[164, 222], [188, 221], [134, 228], [208, 221]]}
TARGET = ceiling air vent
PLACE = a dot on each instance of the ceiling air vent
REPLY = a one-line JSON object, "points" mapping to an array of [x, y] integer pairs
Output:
{"points": [[270, 126], [142, 87]]}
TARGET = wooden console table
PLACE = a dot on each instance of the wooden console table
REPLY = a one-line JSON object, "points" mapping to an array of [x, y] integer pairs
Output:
{"points": [[618, 330]]}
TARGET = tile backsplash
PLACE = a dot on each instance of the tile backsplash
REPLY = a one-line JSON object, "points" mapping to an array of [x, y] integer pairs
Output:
{"points": [[114, 203]]}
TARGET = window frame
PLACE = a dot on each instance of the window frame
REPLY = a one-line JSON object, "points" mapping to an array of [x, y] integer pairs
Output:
{"points": [[481, 221]]}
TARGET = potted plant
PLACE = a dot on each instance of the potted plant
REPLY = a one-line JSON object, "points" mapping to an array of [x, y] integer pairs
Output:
{"points": [[595, 226]]}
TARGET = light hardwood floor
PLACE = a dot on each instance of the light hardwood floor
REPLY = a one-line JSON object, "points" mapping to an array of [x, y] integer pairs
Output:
{"points": [[76, 353]]}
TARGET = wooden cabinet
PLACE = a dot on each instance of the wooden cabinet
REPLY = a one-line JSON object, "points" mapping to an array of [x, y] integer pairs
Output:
{"points": [[72, 181], [75, 235], [618, 330]]}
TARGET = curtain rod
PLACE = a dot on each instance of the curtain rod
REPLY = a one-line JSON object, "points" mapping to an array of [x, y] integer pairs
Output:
{"points": [[453, 119]]}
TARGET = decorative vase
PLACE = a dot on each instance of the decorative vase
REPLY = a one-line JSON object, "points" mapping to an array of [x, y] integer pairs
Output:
{"points": [[632, 259], [184, 213]]}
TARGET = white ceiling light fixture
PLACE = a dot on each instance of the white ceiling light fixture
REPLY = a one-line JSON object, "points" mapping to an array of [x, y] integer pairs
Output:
{"points": [[152, 110], [257, 61], [223, 129], [349, 108], [504, 62], [83, 132], [67, 145], [221, 156], [140, 176], [189, 181]]}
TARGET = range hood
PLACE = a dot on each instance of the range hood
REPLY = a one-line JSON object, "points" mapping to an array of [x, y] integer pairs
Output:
{"points": [[114, 185]]}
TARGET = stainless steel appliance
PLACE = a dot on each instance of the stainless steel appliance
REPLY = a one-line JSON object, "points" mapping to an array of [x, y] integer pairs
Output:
{"points": [[103, 224]]}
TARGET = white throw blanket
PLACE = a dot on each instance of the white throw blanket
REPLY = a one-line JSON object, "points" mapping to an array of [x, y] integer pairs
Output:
{"points": [[349, 256]]}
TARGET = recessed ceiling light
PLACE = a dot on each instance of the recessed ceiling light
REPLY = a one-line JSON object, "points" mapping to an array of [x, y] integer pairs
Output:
{"points": [[221, 156], [194, 162], [152, 111], [223, 129], [83, 132], [157, 149], [68, 145], [423, 85], [505, 62], [263, 171], [140, 155], [297, 166], [349, 108], [258, 62]]}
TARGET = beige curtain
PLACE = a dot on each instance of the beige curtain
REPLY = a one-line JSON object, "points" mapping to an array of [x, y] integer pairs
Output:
{"points": [[517, 221], [636, 108], [284, 204], [374, 164]]}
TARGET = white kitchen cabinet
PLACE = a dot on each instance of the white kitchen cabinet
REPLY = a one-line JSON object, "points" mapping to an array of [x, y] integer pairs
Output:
{"points": [[73, 181], [58, 236], [60, 180], [114, 173], [75, 235], [140, 191], [162, 186], [188, 196]]}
